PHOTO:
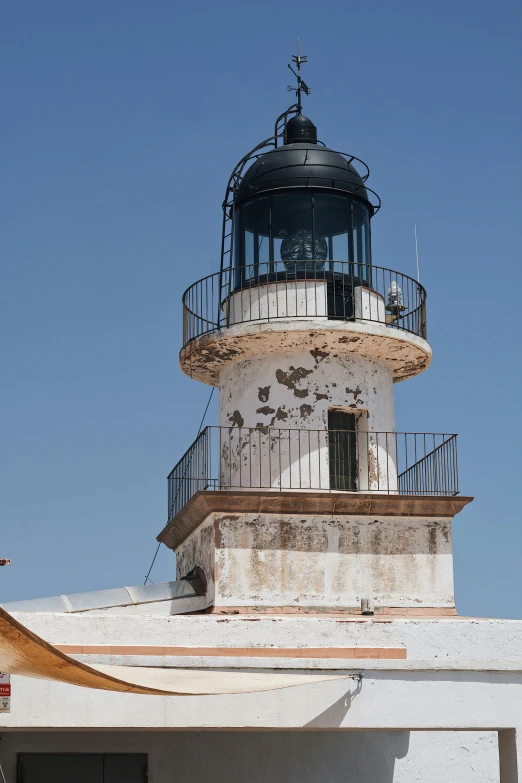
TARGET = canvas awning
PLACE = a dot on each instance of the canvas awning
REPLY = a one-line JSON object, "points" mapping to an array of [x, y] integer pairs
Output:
{"points": [[23, 652]]}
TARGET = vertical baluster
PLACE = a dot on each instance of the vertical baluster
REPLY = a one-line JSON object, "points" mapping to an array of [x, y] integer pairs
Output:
{"points": [[435, 467], [286, 291], [405, 457], [230, 457], [319, 467], [279, 451], [260, 455]]}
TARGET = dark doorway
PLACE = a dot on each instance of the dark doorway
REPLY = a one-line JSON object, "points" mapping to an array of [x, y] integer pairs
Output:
{"points": [[82, 768], [340, 300], [342, 449]]}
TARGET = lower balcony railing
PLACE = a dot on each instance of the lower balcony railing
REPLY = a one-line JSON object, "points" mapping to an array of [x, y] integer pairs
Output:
{"points": [[404, 463]]}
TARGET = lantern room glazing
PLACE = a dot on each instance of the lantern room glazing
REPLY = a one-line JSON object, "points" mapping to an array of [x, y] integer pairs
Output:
{"points": [[300, 230]]}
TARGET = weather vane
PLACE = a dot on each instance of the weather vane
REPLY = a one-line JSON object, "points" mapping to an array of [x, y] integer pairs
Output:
{"points": [[301, 86]]}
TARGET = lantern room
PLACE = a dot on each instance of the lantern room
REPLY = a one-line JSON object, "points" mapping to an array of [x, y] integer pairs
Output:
{"points": [[297, 209], [301, 202]]}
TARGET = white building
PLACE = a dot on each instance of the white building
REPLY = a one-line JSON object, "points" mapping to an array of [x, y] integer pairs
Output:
{"points": [[311, 536]]}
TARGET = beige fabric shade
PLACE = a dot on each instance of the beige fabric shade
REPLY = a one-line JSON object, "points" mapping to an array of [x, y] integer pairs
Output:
{"points": [[23, 652]]}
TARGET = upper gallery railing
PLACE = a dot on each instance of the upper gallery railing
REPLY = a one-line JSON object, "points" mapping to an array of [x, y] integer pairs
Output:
{"points": [[335, 290], [403, 463]]}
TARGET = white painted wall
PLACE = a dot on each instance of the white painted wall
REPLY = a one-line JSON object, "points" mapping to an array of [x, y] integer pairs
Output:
{"points": [[297, 299], [292, 757], [413, 694], [283, 299], [456, 638], [407, 699]]}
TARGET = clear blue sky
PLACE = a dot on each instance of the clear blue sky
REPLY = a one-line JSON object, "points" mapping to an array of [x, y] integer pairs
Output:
{"points": [[121, 123]]}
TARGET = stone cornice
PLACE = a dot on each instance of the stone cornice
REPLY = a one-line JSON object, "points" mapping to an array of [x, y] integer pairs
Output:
{"points": [[206, 502]]}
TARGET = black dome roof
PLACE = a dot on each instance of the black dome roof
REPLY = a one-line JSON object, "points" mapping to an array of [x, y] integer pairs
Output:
{"points": [[301, 165], [300, 128]]}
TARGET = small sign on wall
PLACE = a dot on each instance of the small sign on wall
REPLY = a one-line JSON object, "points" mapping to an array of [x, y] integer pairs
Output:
{"points": [[5, 692]]}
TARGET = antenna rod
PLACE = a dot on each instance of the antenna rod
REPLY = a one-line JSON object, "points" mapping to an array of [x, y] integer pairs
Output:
{"points": [[299, 105], [416, 251]]}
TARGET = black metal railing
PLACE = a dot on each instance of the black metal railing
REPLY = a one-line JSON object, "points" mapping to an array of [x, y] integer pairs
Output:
{"points": [[335, 290], [434, 474], [405, 463]]}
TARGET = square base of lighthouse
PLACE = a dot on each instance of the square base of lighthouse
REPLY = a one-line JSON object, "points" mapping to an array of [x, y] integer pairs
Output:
{"points": [[311, 556]]}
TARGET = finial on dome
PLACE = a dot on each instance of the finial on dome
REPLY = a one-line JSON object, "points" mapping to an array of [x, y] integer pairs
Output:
{"points": [[301, 85]]}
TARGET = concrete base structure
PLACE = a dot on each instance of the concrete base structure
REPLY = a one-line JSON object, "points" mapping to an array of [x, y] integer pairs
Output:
{"points": [[324, 562], [265, 549], [433, 715]]}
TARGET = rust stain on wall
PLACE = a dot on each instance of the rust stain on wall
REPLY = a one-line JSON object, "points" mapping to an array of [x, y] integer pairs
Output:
{"points": [[263, 393], [319, 355], [236, 419], [354, 392], [266, 410], [293, 376], [432, 539], [348, 339], [217, 534]]}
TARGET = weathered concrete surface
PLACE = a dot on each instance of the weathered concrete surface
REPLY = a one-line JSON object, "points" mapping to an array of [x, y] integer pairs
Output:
{"points": [[200, 549], [205, 358], [295, 390], [295, 757], [272, 560]]}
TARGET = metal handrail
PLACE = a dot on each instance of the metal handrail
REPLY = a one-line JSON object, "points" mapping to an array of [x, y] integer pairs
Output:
{"points": [[401, 463], [338, 290]]}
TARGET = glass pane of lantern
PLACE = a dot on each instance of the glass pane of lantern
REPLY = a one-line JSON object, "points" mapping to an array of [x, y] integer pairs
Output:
{"points": [[332, 214], [332, 221], [340, 247], [249, 248], [361, 223], [252, 244], [293, 235], [255, 216]]}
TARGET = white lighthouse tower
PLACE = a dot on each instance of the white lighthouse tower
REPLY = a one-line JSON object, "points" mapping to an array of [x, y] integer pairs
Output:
{"points": [[306, 498]]}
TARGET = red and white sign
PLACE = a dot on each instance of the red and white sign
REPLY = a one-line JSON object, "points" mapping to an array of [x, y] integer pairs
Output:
{"points": [[5, 692]]}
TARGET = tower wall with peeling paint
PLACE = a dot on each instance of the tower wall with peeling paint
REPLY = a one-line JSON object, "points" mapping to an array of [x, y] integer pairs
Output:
{"points": [[295, 390], [274, 419]]}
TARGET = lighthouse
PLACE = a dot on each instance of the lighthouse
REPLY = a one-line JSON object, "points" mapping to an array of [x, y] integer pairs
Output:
{"points": [[312, 608], [306, 497]]}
